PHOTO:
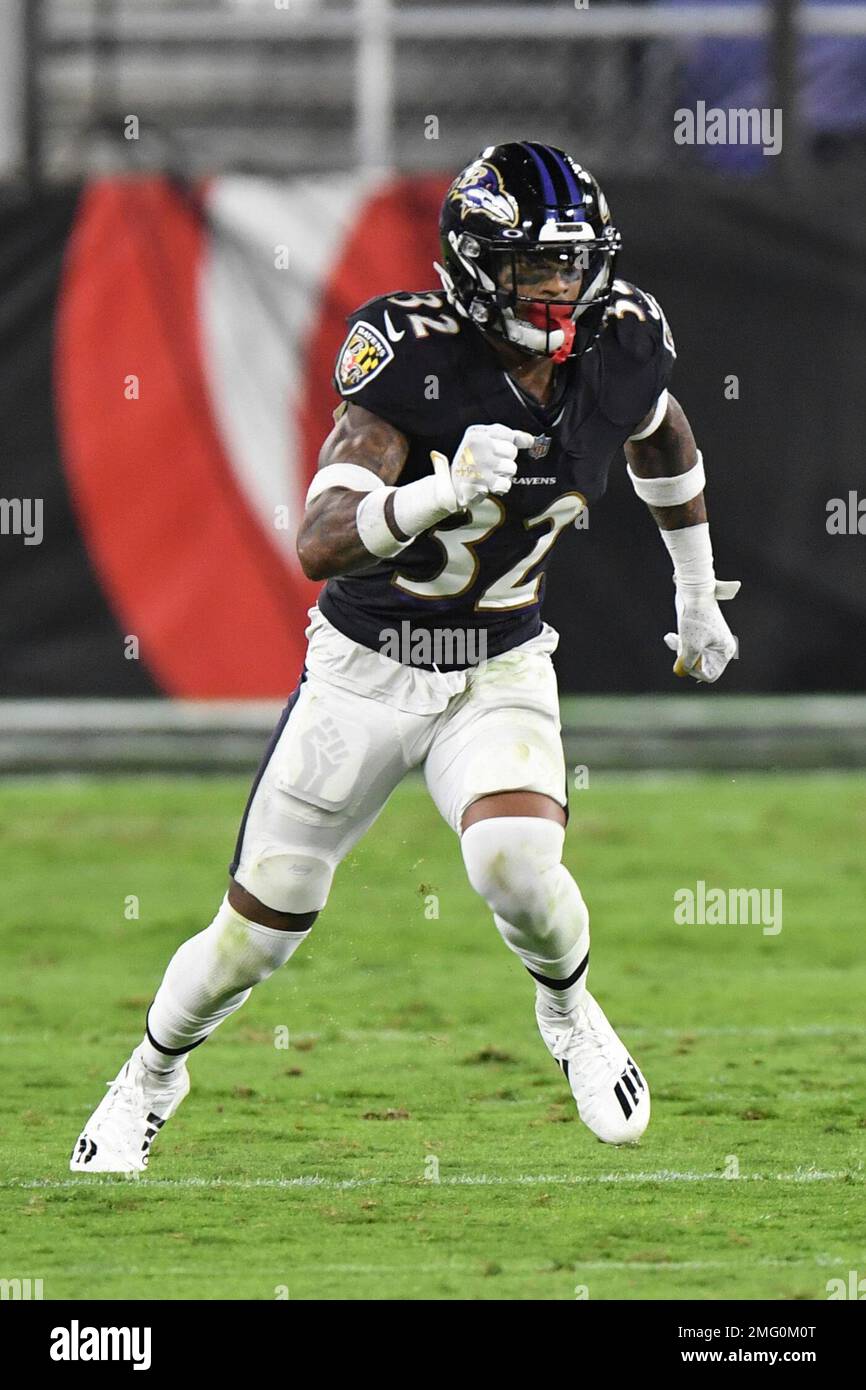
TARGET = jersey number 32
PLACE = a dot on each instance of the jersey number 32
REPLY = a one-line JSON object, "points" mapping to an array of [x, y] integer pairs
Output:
{"points": [[460, 566]]}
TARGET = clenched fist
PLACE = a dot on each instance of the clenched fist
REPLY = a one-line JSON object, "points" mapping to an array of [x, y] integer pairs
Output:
{"points": [[485, 462], [704, 643]]}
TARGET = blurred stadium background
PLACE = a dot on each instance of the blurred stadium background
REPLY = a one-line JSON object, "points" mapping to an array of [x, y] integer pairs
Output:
{"points": [[194, 195]]}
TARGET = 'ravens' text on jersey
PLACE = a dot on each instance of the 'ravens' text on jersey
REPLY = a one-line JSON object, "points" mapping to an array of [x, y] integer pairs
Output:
{"points": [[412, 361]]}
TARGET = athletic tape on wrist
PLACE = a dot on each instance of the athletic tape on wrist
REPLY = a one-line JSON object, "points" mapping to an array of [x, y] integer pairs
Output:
{"points": [[350, 475], [691, 551], [420, 505], [375, 533], [670, 492]]}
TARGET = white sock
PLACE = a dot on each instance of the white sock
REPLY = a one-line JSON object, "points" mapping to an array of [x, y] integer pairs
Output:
{"points": [[207, 979], [515, 863], [560, 983]]}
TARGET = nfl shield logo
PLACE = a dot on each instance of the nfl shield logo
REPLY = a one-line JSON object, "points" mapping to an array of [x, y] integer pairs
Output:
{"points": [[539, 446]]}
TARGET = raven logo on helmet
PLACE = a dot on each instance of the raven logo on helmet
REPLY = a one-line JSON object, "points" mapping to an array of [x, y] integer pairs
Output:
{"points": [[480, 189]]}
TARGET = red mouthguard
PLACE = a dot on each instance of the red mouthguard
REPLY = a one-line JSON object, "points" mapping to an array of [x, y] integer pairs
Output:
{"points": [[541, 315]]}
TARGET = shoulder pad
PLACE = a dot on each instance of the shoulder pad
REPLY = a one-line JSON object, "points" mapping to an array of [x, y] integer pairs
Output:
{"points": [[638, 322], [394, 343], [639, 353]]}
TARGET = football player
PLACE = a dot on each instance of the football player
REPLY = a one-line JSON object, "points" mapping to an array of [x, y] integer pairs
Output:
{"points": [[477, 421]]}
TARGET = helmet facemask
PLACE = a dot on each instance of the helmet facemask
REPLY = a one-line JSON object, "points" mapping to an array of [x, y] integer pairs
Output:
{"points": [[505, 284]]}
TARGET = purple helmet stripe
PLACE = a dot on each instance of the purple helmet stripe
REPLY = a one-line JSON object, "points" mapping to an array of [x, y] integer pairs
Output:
{"points": [[547, 187], [574, 192]]}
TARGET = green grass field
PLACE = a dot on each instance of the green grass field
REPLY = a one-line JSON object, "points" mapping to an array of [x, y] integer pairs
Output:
{"points": [[306, 1171]]}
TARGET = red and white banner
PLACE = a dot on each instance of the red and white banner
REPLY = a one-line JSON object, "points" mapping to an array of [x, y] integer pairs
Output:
{"points": [[196, 336]]}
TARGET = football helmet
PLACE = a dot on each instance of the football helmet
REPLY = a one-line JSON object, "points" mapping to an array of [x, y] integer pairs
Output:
{"points": [[518, 215]]}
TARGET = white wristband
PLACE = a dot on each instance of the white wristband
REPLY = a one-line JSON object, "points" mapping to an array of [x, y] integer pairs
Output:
{"points": [[691, 550], [350, 475], [670, 492]]}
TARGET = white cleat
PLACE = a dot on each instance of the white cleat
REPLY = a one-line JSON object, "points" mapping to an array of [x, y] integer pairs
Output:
{"points": [[119, 1133], [612, 1095]]}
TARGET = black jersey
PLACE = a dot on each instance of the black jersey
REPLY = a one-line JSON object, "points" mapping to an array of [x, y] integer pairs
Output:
{"points": [[410, 359]]}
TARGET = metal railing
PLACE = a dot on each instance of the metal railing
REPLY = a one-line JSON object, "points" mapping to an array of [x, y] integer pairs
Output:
{"points": [[623, 733], [340, 85]]}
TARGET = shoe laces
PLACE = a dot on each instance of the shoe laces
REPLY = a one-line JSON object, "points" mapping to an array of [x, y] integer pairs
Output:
{"points": [[593, 1050], [126, 1094]]}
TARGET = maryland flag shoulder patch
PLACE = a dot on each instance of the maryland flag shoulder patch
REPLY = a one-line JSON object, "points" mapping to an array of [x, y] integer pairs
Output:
{"points": [[363, 355]]}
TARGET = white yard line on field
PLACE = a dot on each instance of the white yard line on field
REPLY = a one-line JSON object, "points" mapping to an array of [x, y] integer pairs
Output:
{"points": [[397, 1035], [465, 1264], [664, 1175], [462, 1265]]}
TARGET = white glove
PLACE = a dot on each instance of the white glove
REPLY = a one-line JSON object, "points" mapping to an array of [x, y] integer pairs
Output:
{"points": [[704, 643], [485, 462]]}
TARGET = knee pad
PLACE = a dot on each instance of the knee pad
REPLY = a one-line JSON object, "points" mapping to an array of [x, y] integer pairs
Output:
{"points": [[286, 879], [211, 974], [513, 862]]}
